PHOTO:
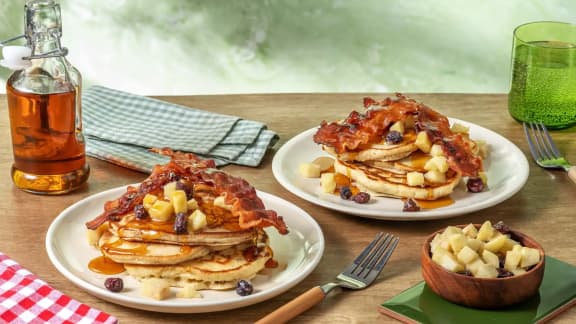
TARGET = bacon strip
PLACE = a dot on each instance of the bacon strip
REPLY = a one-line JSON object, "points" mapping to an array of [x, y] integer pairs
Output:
{"points": [[364, 129], [246, 205], [360, 130], [456, 149]]}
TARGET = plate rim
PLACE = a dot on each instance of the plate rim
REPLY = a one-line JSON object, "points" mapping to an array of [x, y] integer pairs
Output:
{"points": [[439, 213], [166, 306]]}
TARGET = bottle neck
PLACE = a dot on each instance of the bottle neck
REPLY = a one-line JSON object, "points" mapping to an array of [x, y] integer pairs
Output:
{"points": [[45, 45]]}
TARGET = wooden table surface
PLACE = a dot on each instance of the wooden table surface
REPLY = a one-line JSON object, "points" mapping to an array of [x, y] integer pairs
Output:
{"points": [[544, 208]]}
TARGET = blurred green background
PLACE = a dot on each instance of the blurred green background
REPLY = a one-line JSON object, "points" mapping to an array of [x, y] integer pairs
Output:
{"points": [[259, 46]]}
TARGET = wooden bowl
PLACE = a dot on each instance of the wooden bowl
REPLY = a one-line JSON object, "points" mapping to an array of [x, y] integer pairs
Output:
{"points": [[482, 292]]}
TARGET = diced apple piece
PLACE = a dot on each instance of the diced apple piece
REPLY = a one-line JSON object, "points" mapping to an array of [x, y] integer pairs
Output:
{"points": [[474, 265], [324, 162], [179, 201], [161, 211], [438, 163], [518, 271], [169, 189], [496, 244], [188, 291], [415, 179], [512, 260], [192, 204], [309, 170], [155, 288], [220, 201], [423, 142], [483, 177], [436, 150], [328, 182], [490, 258], [467, 255], [448, 261], [197, 221], [93, 236], [452, 230], [459, 128], [482, 148], [530, 257], [398, 126], [435, 176], [437, 254], [486, 271], [475, 244], [149, 200], [485, 232], [470, 231], [457, 242], [509, 245], [435, 241]]}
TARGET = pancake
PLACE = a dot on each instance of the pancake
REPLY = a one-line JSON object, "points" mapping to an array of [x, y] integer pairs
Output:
{"points": [[130, 229], [378, 151], [385, 182], [122, 251], [218, 270]]}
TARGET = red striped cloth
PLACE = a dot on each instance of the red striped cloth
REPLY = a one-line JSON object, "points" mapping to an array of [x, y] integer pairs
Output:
{"points": [[26, 299]]}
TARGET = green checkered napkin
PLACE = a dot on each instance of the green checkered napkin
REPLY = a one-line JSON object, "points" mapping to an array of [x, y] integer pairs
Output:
{"points": [[120, 128]]}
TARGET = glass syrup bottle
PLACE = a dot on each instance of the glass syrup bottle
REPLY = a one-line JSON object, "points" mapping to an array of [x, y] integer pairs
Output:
{"points": [[44, 104]]}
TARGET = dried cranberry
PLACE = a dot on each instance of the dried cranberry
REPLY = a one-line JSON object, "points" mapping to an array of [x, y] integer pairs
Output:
{"points": [[187, 189], [361, 197], [501, 227], [465, 273], [394, 137], [410, 205], [173, 176], [181, 223], [475, 184], [114, 284], [502, 273], [345, 192], [140, 212]]}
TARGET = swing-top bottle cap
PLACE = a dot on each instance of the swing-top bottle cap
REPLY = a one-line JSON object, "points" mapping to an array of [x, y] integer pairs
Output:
{"points": [[13, 57]]}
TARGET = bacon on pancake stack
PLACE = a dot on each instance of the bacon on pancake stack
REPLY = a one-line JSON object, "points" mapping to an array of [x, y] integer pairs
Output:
{"points": [[401, 148], [187, 225]]}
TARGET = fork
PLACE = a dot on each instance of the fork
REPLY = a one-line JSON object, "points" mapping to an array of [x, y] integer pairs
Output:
{"points": [[358, 275], [544, 150]]}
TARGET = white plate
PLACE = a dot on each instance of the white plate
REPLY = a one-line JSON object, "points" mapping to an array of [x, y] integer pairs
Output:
{"points": [[506, 168], [298, 254]]}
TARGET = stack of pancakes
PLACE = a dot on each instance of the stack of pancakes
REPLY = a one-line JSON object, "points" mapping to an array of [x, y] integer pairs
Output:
{"points": [[221, 242], [425, 159]]}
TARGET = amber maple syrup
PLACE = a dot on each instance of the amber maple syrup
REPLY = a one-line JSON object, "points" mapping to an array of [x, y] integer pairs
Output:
{"points": [[45, 109], [49, 154]]}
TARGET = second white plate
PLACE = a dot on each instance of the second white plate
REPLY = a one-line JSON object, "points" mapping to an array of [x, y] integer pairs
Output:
{"points": [[298, 253], [506, 168]]}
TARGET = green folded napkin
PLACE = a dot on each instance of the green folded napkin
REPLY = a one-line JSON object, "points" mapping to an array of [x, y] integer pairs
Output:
{"points": [[120, 128]]}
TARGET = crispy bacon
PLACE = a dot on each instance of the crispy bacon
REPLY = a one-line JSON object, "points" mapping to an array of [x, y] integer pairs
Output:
{"points": [[456, 149], [246, 205], [360, 130], [368, 128]]}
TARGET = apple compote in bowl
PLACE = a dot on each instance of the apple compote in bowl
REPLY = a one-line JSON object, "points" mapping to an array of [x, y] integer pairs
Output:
{"points": [[482, 265]]}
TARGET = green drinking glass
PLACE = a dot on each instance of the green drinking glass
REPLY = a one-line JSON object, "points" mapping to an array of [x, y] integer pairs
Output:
{"points": [[543, 86]]}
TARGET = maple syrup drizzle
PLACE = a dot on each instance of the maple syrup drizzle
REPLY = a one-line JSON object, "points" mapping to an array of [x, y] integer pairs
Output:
{"points": [[433, 204], [105, 266]]}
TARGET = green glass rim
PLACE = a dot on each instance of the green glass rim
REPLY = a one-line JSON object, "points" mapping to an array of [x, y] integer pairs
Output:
{"points": [[562, 29]]}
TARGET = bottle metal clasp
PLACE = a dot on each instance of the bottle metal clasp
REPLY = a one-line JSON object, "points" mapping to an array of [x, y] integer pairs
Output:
{"points": [[17, 57]]}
